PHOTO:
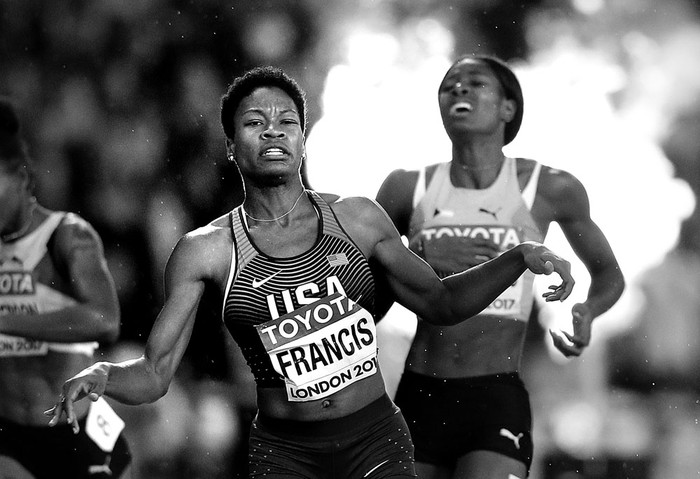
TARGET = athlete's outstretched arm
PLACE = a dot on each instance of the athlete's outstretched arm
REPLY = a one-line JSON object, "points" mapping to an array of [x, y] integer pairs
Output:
{"points": [[462, 295], [147, 378]]}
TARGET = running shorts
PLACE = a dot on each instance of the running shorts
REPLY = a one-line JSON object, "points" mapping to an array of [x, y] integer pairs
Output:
{"points": [[50, 452], [371, 443], [449, 418]]}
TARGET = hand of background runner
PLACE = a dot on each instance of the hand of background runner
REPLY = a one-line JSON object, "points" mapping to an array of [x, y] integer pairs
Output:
{"points": [[574, 344], [90, 382], [541, 260]]}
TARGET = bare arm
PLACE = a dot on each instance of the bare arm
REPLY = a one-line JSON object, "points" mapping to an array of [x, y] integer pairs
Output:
{"points": [[572, 213], [147, 378], [95, 316], [396, 197], [460, 296]]}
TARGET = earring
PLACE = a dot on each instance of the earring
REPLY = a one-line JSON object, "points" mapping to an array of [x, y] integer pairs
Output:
{"points": [[231, 157]]}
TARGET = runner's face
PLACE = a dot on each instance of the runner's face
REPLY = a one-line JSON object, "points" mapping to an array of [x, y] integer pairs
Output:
{"points": [[471, 100], [12, 197], [268, 143]]}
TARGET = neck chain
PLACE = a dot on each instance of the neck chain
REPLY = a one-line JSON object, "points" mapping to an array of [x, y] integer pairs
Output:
{"points": [[22, 231], [279, 217]]}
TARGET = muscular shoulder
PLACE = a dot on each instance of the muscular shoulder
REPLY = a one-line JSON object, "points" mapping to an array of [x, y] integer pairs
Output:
{"points": [[362, 218], [561, 194], [201, 256], [75, 234], [206, 247]]}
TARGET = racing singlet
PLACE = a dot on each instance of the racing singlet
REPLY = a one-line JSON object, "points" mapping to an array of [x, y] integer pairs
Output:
{"points": [[304, 322], [23, 292], [500, 213]]}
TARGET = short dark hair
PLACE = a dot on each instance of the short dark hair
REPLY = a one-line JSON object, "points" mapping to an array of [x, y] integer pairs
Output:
{"points": [[511, 89], [265, 76], [13, 149]]}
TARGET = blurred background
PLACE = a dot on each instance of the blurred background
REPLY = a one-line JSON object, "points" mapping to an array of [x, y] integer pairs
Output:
{"points": [[120, 101]]}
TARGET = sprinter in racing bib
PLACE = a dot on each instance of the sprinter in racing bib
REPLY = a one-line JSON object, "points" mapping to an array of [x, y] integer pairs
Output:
{"points": [[302, 277], [58, 302], [461, 390]]}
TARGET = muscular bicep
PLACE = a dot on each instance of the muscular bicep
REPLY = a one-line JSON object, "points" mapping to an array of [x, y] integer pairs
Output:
{"points": [[87, 272], [412, 281], [184, 287], [574, 217]]}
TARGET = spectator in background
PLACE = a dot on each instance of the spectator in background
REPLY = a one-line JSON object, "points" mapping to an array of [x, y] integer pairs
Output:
{"points": [[57, 301], [461, 391]]}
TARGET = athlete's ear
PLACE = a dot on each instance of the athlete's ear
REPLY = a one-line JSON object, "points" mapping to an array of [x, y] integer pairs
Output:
{"points": [[508, 110], [230, 150]]}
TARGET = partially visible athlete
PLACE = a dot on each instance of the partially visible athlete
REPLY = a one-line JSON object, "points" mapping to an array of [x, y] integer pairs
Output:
{"points": [[302, 278], [461, 391], [57, 301]]}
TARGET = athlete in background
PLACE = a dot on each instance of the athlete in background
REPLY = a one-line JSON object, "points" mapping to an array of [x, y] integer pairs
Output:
{"points": [[461, 393], [57, 301], [302, 278]]}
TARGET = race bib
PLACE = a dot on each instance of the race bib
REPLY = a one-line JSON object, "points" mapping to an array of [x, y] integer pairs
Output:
{"points": [[103, 425], [322, 347], [509, 302], [18, 346]]}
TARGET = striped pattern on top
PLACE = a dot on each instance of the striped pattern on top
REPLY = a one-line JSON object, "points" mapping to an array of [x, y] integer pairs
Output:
{"points": [[264, 287]]}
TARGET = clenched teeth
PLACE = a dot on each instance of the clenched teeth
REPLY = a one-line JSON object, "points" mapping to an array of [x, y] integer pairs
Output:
{"points": [[273, 152]]}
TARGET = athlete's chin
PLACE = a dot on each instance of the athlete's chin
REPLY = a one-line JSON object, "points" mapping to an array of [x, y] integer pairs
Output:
{"points": [[272, 179]]}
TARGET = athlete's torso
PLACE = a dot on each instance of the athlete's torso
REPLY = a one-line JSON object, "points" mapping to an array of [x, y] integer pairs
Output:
{"points": [[492, 341], [32, 372], [305, 324]]}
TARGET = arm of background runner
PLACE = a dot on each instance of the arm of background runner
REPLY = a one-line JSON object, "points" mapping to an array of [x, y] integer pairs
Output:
{"points": [[147, 378], [592, 247], [77, 250], [396, 197]]}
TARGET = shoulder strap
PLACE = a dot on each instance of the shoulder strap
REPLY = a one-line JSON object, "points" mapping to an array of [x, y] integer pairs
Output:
{"points": [[419, 190], [530, 189], [232, 273]]}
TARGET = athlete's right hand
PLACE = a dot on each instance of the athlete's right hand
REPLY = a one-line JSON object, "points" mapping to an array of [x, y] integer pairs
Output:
{"points": [[90, 382]]}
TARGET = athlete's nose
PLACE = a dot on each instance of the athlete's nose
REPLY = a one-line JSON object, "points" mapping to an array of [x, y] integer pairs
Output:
{"points": [[272, 132], [460, 89]]}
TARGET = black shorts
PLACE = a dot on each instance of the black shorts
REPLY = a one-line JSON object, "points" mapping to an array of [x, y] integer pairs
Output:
{"points": [[451, 417], [371, 443], [49, 452]]}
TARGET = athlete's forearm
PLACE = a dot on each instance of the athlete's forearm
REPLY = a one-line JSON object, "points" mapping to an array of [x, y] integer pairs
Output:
{"points": [[71, 324], [471, 291], [605, 290], [132, 382]]}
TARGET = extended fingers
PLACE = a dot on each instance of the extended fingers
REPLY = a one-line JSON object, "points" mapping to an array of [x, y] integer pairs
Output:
{"points": [[63, 406], [567, 344]]}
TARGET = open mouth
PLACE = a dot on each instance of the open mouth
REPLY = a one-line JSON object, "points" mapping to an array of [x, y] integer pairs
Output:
{"points": [[273, 152], [461, 108]]}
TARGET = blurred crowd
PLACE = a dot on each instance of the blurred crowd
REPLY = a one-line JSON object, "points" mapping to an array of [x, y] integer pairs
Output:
{"points": [[120, 108]]}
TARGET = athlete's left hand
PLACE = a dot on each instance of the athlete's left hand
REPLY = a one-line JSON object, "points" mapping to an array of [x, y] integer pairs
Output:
{"points": [[574, 344], [541, 260]]}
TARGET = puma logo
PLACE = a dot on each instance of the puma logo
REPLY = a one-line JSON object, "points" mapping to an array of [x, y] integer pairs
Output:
{"points": [[492, 213], [516, 439], [101, 468], [439, 212], [259, 282]]}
